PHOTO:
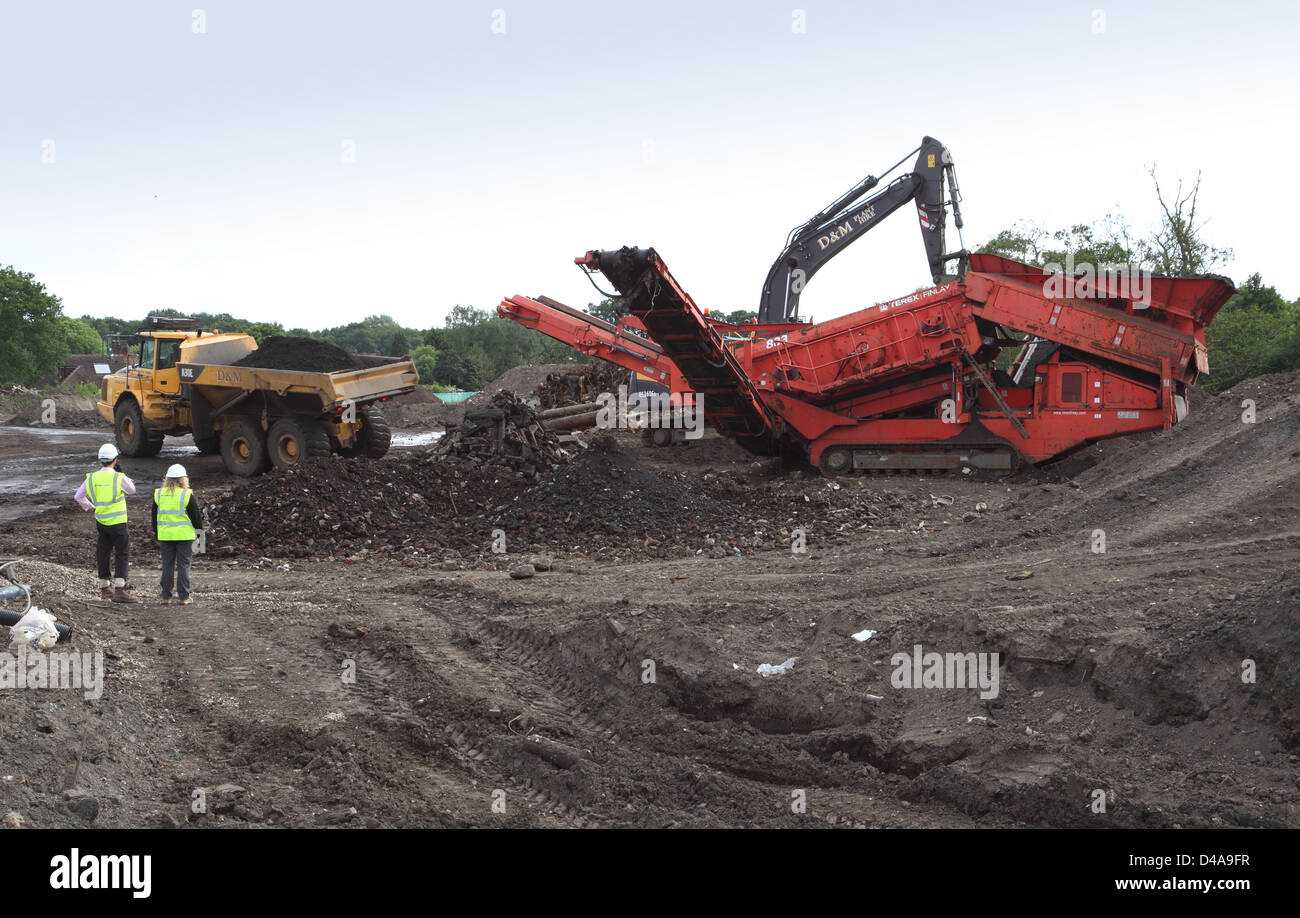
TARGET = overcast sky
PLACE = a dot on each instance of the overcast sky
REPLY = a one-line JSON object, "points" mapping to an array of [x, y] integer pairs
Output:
{"points": [[200, 158]]}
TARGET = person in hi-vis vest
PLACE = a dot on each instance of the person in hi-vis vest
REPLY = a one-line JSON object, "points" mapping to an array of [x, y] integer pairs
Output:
{"points": [[176, 519], [104, 492]]}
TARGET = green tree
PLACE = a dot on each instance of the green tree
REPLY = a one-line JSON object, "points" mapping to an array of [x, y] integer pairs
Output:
{"points": [[1021, 242], [33, 339], [611, 309], [80, 336], [1257, 331], [1178, 249], [263, 330], [425, 358], [398, 345], [450, 369], [372, 335], [478, 368], [1099, 244], [465, 317]]}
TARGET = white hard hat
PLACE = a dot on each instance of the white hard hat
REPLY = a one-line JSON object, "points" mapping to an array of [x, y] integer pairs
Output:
{"points": [[176, 471], [107, 452]]}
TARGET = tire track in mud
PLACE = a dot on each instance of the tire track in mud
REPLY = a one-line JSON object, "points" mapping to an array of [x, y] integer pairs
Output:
{"points": [[700, 763], [583, 711], [523, 665], [400, 686], [230, 666]]}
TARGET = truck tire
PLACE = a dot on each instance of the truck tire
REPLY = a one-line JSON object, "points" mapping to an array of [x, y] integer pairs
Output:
{"points": [[132, 436], [208, 446], [375, 436], [243, 448], [291, 440]]}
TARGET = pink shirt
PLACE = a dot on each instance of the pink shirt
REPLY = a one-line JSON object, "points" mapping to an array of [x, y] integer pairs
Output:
{"points": [[128, 487]]}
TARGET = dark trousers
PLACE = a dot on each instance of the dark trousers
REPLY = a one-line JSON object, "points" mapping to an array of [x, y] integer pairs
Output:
{"points": [[112, 541], [176, 557]]}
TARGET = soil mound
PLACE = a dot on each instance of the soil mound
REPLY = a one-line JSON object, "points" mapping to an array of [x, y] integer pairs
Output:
{"points": [[1214, 471], [335, 506], [305, 355], [25, 408], [604, 492], [422, 409]]}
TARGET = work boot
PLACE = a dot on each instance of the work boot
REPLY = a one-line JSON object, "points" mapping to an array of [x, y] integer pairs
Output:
{"points": [[121, 595], [166, 600], [187, 601], [105, 592]]}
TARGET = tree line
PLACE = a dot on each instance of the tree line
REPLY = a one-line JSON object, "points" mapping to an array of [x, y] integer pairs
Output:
{"points": [[471, 349]]}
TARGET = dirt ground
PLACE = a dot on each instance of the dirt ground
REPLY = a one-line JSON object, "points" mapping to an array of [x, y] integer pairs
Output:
{"points": [[620, 687]]}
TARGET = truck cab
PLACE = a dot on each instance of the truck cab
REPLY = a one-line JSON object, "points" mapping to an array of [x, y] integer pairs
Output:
{"points": [[146, 400], [159, 355]]}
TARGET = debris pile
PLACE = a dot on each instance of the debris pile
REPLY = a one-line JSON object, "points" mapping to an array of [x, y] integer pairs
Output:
{"points": [[505, 434], [579, 384], [607, 499], [521, 381], [604, 504], [304, 355], [334, 506], [22, 407]]}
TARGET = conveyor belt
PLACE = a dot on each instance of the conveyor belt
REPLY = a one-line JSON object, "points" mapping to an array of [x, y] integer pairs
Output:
{"points": [[675, 323]]}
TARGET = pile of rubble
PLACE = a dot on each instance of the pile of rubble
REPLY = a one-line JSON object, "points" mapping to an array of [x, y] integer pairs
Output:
{"points": [[606, 496], [605, 504], [505, 434], [331, 507], [580, 384]]}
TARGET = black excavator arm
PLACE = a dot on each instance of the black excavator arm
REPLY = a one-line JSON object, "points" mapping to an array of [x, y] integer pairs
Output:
{"points": [[851, 216]]}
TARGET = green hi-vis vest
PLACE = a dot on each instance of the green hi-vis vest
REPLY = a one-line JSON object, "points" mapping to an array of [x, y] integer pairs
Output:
{"points": [[104, 491], [173, 522]]}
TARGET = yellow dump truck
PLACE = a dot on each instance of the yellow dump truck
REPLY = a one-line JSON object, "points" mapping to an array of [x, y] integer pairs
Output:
{"points": [[183, 381]]}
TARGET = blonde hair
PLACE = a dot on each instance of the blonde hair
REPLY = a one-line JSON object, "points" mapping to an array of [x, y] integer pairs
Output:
{"points": [[171, 484]]}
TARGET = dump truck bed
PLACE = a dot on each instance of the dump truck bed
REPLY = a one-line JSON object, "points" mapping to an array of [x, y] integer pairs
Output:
{"points": [[333, 389]]}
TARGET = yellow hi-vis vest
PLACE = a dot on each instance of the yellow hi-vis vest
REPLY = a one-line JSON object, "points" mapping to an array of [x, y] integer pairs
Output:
{"points": [[104, 491], [173, 522]]}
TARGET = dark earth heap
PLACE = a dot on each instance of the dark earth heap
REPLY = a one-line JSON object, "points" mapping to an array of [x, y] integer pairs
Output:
{"points": [[305, 355]]}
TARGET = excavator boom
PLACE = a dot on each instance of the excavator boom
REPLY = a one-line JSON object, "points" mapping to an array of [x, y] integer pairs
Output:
{"points": [[851, 216]]}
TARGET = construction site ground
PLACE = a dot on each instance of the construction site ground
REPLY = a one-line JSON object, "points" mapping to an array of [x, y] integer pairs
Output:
{"points": [[620, 687]]}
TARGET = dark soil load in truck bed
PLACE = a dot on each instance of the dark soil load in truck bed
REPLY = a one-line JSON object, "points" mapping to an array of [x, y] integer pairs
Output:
{"points": [[307, 355]]}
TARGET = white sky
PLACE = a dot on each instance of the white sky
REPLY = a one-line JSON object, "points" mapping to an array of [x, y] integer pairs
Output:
{"points": [[203, 171]]}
